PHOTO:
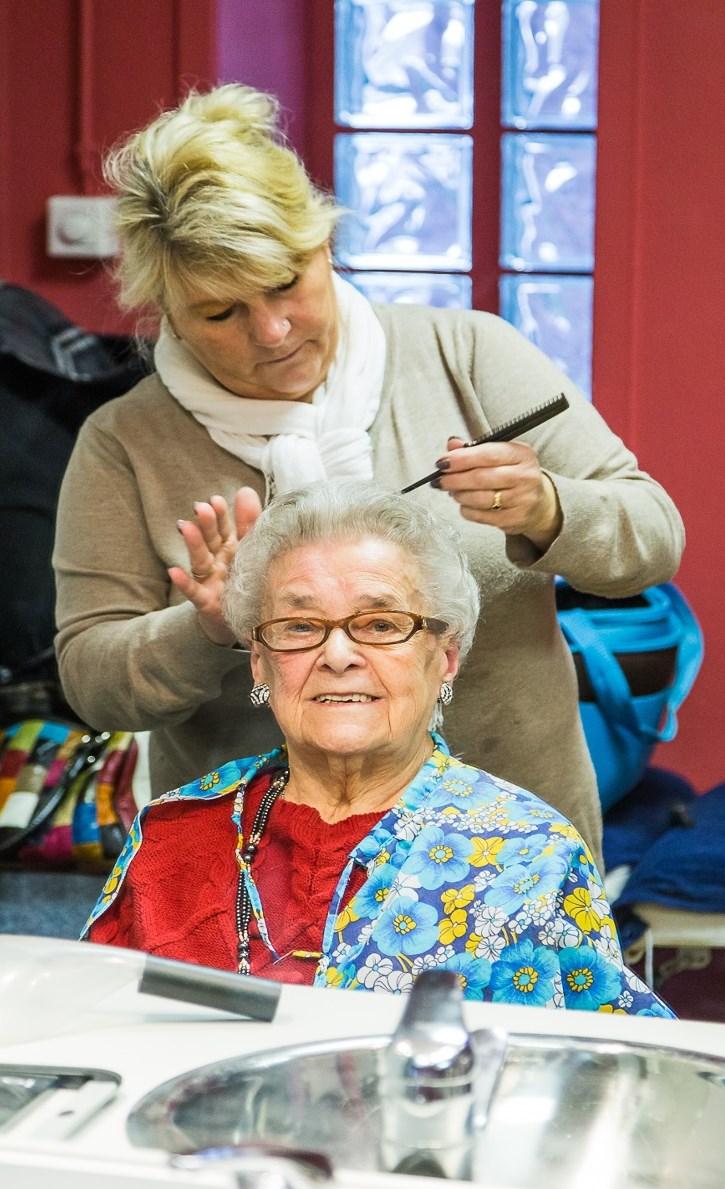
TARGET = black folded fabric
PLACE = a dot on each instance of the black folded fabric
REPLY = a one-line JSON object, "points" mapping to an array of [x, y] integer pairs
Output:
{"points": [[52, 375]]}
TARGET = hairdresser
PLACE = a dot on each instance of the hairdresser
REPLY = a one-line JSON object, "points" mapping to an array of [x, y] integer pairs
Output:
{"points": [[271, 372]]}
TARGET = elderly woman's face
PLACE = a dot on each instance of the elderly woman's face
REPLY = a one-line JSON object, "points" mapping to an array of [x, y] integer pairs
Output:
{"points": [[278, 346], [345, 698]]}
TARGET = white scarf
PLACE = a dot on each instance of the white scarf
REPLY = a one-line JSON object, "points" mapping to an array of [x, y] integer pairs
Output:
{"points": [[293, 442]]}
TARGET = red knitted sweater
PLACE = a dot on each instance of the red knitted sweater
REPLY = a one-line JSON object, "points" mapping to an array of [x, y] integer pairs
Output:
{"points": [[179, 893]]}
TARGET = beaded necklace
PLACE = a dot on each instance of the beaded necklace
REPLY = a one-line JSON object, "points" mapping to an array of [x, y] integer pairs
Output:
{"points": [[243, 908]]}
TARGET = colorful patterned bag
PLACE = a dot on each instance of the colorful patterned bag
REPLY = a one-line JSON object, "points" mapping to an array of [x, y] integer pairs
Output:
{"points": [[66, 794]]}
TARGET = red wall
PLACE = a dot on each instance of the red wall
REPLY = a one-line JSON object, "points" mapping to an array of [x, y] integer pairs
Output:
{"points": [[117, 61], [658, 358], [267, 44], [659, 353]]}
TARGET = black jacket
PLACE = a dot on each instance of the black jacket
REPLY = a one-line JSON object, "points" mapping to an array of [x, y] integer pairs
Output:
{"points": [[52, 375]]}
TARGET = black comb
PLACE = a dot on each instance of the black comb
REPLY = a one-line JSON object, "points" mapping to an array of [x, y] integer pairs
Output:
{"points": [[508, 431]]}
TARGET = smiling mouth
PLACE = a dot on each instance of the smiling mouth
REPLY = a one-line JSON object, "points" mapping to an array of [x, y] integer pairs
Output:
{"points": [[344, 698], [287, 357]]}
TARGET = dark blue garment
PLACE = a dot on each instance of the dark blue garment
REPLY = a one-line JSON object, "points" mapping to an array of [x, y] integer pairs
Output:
{"points": [[661, 805], [685, 867], [658, 802]]}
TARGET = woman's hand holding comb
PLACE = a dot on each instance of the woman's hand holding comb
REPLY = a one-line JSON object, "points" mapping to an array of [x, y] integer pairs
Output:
{"points": [[501, 483]]}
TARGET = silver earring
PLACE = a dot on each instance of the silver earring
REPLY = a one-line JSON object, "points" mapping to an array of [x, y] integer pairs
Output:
{"points": [[259, 694], [446, 693]]}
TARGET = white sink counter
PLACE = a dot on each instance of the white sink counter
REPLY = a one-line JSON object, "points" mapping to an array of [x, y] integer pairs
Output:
{"points": [[147, 1040]]}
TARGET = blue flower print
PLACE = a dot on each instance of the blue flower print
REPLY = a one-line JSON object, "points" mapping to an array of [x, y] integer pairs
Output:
{"points": [[539, 813], [457, 787], [400, 850], [518, 814], [407, 927], [525, 882], [368, 850], [525, 973], [589, 978], [370, 899], [438, 857], [658, 1009], [523, 848], [474, 974]]}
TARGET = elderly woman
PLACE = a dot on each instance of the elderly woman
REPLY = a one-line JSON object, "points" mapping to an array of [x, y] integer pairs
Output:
{"points": [[362, 851], [273, 372]]}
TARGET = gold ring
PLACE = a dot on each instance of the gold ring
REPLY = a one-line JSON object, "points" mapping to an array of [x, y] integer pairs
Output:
{"points": [[202, 577], [496, 505]]}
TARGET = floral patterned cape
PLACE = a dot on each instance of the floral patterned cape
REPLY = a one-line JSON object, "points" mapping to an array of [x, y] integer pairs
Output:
{"points": [[466, 872]]}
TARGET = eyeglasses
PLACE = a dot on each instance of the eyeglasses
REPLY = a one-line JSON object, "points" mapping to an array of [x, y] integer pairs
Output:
{"points": [[300, 633]]}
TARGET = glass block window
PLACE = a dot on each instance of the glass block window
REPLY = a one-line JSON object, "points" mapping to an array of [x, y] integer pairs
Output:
{"points": [[555, 313], [547, 207], [550, 67], [427, 289], [549, 97], [404, 94], [404, 63], [410, 195]]}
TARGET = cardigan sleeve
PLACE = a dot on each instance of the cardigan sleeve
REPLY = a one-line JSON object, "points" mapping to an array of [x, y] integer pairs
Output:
{"points": [[563, 950], [128, 659], [621, 531], [593, 974]]}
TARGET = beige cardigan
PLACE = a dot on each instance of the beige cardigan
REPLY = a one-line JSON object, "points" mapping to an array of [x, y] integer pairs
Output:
{"points": [[131, 653]]}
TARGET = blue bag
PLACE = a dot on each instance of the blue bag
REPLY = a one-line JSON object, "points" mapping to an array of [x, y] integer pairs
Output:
{"points": [[636, 659]]}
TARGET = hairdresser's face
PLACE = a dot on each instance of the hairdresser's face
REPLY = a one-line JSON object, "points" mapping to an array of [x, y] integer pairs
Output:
{"points": [[278, 346]]}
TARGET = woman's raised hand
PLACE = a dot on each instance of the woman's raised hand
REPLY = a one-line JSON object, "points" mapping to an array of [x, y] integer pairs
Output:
{"points": [[211, 539], [501, 483]]}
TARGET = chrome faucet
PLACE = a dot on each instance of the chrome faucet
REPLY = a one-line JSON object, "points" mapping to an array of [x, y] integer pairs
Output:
{"points": [[436, 1082]]}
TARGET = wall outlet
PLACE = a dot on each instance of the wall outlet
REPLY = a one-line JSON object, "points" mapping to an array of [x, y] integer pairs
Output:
{"points": [[81, 225]]}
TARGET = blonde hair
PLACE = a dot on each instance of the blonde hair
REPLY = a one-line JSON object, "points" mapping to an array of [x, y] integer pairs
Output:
{"points": [[211, 200]]}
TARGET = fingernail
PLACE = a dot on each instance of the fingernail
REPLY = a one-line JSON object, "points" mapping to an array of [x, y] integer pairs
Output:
{"points": [[180, 525], [435, 482], [197, 505], [443, 464]]}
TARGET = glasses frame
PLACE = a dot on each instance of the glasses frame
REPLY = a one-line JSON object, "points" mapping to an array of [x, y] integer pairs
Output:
{"points": [[420, 623]]}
